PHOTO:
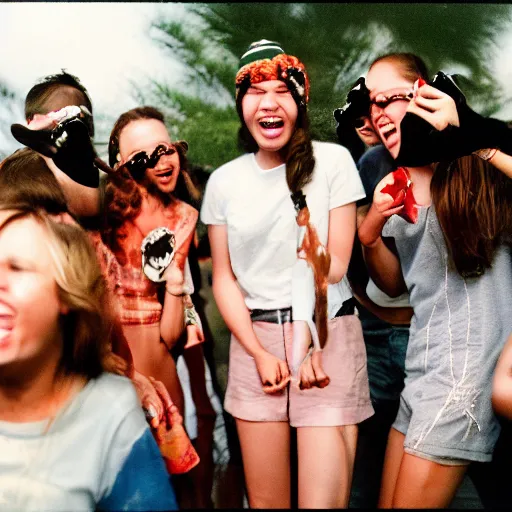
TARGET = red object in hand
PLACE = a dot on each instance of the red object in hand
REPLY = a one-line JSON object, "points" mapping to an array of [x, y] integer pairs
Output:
{"points": [[401, 191]]}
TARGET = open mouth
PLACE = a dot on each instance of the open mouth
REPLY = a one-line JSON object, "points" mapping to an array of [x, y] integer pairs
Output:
{"points": [[166, 174], [269, 123], [387, 130], [6, 326]]}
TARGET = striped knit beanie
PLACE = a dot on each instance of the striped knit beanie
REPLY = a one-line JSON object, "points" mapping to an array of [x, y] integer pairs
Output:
{"points": [[266, 60]]}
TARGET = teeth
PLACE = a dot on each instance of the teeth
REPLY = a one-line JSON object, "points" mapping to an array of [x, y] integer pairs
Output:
{"points": [[271, 120], [4, 333], [387, 128]]}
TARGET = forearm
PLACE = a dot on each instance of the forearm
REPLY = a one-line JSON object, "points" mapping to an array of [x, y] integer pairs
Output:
{"points": [[172, 321], [231, 304], [384, 268], [503, 162], [81, 200], [395, 316]]}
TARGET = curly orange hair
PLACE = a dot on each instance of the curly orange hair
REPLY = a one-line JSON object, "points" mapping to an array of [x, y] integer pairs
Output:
{"points": [[272, 69]]}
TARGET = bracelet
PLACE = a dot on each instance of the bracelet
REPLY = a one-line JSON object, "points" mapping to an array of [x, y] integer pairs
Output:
{"points": [[486, 154]]}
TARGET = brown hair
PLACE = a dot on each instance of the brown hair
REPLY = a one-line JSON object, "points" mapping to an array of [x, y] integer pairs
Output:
{"points": [[472, 202], [25, 179], [122, 194], [87, 327], [411, 66], [70, 89]]}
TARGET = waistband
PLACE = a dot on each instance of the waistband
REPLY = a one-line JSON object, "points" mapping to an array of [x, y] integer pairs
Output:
{"points": [[280, 316]]}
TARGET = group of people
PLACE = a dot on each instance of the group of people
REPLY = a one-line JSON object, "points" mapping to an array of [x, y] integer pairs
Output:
{"points": [[367, 304]]}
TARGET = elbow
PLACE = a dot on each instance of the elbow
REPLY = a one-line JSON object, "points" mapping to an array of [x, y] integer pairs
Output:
{"points": [[502, 400]]}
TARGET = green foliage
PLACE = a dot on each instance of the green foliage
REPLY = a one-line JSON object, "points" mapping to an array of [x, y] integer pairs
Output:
{"points": [[337, 42]]}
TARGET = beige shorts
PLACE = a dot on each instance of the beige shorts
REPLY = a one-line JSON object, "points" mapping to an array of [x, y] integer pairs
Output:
{"points": [[345, 401]]}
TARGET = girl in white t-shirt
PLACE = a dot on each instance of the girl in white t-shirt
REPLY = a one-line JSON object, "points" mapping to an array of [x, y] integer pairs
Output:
{"points": [[253, 237]]}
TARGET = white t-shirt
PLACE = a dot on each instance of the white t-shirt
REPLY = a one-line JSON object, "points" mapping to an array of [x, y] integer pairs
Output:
{"points": [[256, 206], [382, 299], [97, 454]]}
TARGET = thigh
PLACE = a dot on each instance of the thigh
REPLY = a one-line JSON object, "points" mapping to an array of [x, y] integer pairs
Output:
{"points": [[326, 460], [423, 483], [266, 458], [391, 469]]}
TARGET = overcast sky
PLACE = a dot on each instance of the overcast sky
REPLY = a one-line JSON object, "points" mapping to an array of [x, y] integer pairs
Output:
{"points": [[107, 45]]}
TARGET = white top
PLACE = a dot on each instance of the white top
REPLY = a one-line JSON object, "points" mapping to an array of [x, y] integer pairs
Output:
{"points": [[384, 300], [97, 453], [255, 205]]}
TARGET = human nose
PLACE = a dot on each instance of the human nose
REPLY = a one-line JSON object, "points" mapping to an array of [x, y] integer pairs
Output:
{"points": [[268, 102]]}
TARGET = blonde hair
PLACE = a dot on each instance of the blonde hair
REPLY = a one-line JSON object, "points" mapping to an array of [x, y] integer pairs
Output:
{"points": [[88, 326]]}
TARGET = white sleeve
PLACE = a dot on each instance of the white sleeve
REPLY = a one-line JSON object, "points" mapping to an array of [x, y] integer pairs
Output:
{"points": [[213, 209], [345, 185]]}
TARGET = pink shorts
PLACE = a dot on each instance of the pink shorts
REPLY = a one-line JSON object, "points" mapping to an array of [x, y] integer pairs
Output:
{"points": [[345, 401]]}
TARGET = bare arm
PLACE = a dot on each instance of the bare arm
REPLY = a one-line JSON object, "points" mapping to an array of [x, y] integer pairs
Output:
{"points": [[502, 382], [342, 228], [81, 200], [227, 294], [503, 162], [382, 262], [274, 373]]}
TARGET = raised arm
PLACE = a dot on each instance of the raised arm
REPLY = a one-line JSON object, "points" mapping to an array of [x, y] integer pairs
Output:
{"points": [[274, 372], [382, 262], [81, 200]]}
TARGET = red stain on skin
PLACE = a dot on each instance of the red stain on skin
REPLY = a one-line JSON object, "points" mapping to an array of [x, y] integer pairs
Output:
{"points": [[401, 191]]}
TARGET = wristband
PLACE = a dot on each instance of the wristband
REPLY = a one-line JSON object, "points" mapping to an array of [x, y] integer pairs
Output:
{"points": [[486, 154]]}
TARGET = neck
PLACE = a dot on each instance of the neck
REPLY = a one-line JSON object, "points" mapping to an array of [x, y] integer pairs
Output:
{"points": [[269, 159], [31, 390]]}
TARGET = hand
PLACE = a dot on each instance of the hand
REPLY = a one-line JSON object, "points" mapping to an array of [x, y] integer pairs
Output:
{"points": [[155, 400], [311, 373], [436, 107], [385, 204], [274, 372], [174, 279], [172, 414]]}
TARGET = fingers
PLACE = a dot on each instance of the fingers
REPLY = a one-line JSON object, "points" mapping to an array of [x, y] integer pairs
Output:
{"points": [[306, 374], [274, 388], [168, 409], [427, 91], [322, 379], [393, 211]]}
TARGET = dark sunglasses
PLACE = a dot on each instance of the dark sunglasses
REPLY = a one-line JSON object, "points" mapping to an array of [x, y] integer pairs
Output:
{"points": [[359, 122], [141, 161], [382, 100]]}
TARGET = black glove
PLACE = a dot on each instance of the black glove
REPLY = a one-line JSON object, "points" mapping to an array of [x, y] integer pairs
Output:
{"points": [[68, 145], [422, 144]]}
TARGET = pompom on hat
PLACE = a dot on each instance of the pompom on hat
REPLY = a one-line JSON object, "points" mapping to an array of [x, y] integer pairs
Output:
{"points": [[266, 60]]}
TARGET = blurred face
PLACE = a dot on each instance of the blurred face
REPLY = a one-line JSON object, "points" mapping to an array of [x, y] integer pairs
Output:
{"points": [[365, 131], [146, 135], [270, 114], [390, 94], [29, 302]]}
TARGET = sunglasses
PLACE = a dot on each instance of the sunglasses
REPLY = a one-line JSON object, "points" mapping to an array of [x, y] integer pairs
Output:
{"points": [[383, 100], [359, 122], [141, 161]]}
